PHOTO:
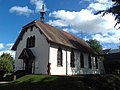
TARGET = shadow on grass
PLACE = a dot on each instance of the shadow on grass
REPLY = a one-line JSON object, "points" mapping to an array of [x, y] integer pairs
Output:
{"points": [[87, 82], [103, 82]]}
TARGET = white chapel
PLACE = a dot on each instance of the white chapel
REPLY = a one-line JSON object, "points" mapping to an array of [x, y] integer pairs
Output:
{"points": [[44, 49]]}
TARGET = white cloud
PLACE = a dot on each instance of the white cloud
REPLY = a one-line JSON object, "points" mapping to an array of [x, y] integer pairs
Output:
{"points": [[62, 14], [1, 45], [38, 4], [100, 5], [10, 45], [71, 30], [60, 23], [103, 1], [84, 21], [6, 48], [108, 38], [21, 10]]}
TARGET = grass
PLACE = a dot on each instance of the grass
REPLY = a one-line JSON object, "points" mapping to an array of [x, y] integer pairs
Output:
{"points": [[45, 82]]}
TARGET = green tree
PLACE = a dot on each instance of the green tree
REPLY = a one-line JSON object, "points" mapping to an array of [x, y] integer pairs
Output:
{"points": [[6, 62], [7, 56], [115, 10], [95, 45]]}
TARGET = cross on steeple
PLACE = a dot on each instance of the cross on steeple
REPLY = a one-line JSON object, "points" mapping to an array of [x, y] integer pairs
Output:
{"points": [[42, 12]]}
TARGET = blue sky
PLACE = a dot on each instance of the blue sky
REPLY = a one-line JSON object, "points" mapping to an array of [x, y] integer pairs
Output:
{"points": [[74, 16]]}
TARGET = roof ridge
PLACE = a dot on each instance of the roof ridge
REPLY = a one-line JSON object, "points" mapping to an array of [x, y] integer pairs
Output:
{"points": [[55, 35]]}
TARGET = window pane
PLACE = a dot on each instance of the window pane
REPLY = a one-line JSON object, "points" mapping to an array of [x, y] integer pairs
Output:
{"points": [[27, 42], [30, 43], [96, 62], [59, 57], [89, 61], [72, 61], [82, 60], [33, 41]]}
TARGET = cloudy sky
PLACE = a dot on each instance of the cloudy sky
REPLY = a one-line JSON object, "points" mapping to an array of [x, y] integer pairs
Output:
{"points": [[74, 16]]}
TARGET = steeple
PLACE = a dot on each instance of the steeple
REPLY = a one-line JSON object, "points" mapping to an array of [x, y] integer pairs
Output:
{"points": [[42, 12]]}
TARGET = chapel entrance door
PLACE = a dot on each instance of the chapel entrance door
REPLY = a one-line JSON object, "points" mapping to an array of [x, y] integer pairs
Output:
{"points": [[28, 65], [28, 58]]}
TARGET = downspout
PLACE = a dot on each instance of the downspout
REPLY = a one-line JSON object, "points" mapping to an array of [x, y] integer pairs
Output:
{"points": [[66, 64], [34, 66], [23, 66], [48, 66], [67, 60]]}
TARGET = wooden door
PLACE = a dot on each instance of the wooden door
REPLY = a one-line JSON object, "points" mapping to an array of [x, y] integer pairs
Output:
{"points": [[28, 66]]}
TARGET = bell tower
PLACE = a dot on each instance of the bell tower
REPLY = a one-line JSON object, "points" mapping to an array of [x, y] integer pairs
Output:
{"points": [[42, 12]]}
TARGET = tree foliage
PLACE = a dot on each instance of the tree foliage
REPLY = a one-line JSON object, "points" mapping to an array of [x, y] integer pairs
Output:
{"points": [[115, 10], [95, 45], [6, 62]]}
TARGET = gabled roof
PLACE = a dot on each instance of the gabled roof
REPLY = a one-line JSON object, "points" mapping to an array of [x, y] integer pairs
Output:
{"points": [[26, 53], [57, 36]]}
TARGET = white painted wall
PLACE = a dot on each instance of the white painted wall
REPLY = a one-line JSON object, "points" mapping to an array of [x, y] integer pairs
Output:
{"points": [[41, 52], [56, 70]]}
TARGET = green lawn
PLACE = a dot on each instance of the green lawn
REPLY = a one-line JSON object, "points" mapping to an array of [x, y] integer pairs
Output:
{"points": [[45, 82]]}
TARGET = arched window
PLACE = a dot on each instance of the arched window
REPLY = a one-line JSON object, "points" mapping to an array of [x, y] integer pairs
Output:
{"points": [[27, 43], [33, 41], [30, 43], [72, 59], [59, 57], [89, 61], [96, 63], [81, 60]]}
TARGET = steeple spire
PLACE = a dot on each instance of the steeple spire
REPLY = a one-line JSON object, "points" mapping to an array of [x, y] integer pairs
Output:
{"points": [[42, 12]]}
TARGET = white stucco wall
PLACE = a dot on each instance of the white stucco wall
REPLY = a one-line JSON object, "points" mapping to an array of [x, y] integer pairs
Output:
{"points": [[41, 52], [57, 70], [68, 70]]}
